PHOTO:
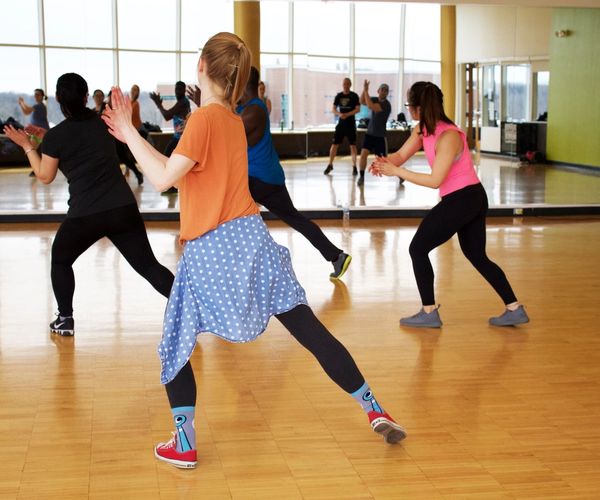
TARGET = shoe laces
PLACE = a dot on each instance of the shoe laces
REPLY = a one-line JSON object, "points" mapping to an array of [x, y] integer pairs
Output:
{"points": [[171, 443]]}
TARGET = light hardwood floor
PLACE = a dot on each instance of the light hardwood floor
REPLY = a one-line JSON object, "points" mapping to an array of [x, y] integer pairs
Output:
{"points": [[490, 412]]}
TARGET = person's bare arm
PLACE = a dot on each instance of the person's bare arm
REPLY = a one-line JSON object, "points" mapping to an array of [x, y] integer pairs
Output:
{"points": [[255, 121], [45, 167]]}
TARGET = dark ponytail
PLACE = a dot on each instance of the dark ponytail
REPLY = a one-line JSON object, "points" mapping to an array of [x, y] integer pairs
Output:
{"points": [[430, 99], [71, 94]]}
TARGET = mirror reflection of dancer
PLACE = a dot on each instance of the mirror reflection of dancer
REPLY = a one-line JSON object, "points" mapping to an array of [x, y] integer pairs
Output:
{"points": [[232, 276], [38, 112], [100, 203], [267, 179], [262, 96], [462, 209], [374, 141], [345, 105]]}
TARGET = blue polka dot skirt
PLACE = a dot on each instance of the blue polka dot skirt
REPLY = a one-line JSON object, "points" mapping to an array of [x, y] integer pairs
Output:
{"points": [[229, 282]]}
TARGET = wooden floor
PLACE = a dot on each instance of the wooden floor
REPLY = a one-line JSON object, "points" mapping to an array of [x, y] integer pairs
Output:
{"points": [[490, 412]]}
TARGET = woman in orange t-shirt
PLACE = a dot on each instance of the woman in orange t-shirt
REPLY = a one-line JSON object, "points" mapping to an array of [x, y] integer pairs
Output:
{"points": [[232, 276]]}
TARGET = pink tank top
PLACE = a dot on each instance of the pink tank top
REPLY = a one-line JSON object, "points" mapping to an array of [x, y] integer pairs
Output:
{"points": [[462, 173]]}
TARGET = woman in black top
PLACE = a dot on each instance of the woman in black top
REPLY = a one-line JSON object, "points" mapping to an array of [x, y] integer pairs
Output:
{"points": [[100, 200]]}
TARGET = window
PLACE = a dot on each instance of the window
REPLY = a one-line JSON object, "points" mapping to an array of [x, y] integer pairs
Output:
{"points": [[274, 22], [201, 20], [20, 23], [274, 72], [490, 112], [416, 71], [149, 25], [322, 28], [542, 80], [422, 32], [516, 82], [377, 29], [20, 76], [67, 23], [377, 72]]}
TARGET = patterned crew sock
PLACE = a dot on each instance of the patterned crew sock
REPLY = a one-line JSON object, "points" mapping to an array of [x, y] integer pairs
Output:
{"points": [[366, 400], [184, 426]]}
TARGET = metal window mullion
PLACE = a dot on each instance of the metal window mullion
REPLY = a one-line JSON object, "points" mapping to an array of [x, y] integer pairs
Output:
{"points": [[178, 41], [352, 45], [399, 96], [291, 60], [115, 30], [42, 35]]}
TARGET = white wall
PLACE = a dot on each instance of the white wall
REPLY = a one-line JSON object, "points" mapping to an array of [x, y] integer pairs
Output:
{"points": [[502, 32]]}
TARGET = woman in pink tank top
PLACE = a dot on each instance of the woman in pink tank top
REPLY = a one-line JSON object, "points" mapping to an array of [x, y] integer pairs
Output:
{"points": [[461, 211]]}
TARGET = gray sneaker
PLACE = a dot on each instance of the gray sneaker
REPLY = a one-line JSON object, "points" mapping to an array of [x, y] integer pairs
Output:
{"points": [[511, 318], [423, 319]]}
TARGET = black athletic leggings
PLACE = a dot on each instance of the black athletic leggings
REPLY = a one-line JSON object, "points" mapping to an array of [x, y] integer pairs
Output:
{"points": [[461, 212], [312, 334], [276, 199], [125, 228]]}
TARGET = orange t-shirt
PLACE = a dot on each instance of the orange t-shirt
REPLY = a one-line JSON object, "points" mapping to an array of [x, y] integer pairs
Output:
{"points": [[216, 189], [135, 115]]}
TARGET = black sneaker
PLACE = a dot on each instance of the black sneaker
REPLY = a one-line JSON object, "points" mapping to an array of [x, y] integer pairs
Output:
{"points": [[171, 190], [401, 181], [64, 326], [361, 180], [328, 169], [32, 174], [340, 265], [354, 170]]}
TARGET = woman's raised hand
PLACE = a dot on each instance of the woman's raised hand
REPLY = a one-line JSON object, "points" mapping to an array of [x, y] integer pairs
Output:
{"points": [[118, 115], [19, 137]]}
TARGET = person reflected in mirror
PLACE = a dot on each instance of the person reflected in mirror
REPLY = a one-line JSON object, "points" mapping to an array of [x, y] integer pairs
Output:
{"points": [[232, 277], [125, 156], [99, 102], [39, 117], [267, 179], [374, 141], [462, 209], [178, 113], [345, 106], [101, 203], [262, 89]]}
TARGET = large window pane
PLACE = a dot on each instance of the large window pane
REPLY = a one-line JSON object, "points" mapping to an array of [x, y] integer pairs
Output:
{"points": [[19, 23], [422, 32], [20, 76], [316, 82], [274, 22], [274, 72], [93, 26], [377, 72], [377, 29], [189, 68], [490, 113], [200, 20], [542, 81], [148, 70], [517, 93], [96, 66], [150, 24], [322, 28], [416, 71]]}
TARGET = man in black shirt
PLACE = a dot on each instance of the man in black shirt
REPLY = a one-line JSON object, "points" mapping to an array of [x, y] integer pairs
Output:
{"points": [[345, 105], [178, 113]]}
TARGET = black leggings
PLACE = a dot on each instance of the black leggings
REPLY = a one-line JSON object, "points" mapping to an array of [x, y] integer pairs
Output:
{"points": [[125, 228], [276, 199], [461, 212], [312, 334]]}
